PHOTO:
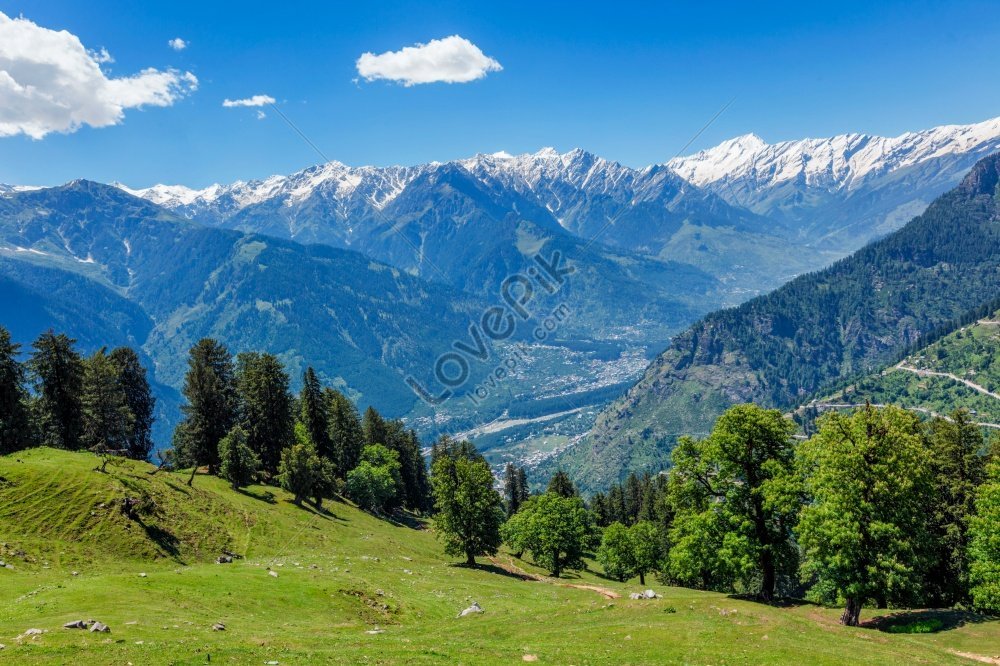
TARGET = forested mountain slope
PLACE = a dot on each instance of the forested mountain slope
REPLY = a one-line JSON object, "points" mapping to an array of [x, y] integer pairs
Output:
{"points": [[107, 267], [780, 348]]}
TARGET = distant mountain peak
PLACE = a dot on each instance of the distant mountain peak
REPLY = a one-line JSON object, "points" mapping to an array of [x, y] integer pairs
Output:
{"points": [[835, 162]]}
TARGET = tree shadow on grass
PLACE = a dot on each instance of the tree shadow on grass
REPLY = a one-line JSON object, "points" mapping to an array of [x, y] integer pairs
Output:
{"points": [[779, 602], [494, 569], [169, 543], [925, 621], [265, 496]]}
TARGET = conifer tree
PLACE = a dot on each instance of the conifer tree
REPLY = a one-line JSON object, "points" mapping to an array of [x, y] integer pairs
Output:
{"points": [[300, 466], [374, 427], [139, 401], [265, 407], [345, 432], [56, 371], [15, 426], [561, 485], [313, 414], [107, 421], [210, 411]]}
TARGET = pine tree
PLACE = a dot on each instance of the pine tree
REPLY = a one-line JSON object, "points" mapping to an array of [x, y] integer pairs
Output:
{"points": [[265, 407], [523, 490], [469, 510], [210, 411], [139, 402], [511, 492], [313, 414], [15, 425], [561, 485], [374, 427], [238, 462], [56, 371], [346, 435], [107, 421], [958, 468]]}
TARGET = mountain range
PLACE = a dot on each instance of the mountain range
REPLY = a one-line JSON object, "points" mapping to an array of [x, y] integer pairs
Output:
{"points": [[779, 349], [370, 273]]}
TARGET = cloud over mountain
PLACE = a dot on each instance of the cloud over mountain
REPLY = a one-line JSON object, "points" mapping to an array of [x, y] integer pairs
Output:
{"points": [[450, 60]]}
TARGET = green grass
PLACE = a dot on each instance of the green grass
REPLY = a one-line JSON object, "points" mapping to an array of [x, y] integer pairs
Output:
{"points": [[342, 574]]}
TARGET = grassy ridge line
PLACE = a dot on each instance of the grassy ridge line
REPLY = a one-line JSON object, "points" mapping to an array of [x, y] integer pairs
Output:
{"points": [[340, 576]]}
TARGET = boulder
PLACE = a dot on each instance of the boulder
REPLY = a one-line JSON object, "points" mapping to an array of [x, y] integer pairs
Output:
{"points": [[635, 595], [78, 624], [100, 627], [218, 626], [474, 608], [33, 632], [224, 559], [273, 574], [649, 594]]}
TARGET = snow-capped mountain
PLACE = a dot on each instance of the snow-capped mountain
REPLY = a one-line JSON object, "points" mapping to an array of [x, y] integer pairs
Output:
{"points": [[844, 188]]}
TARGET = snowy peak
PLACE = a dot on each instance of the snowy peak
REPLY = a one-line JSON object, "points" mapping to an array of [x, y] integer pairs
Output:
{"points": [[833, 163]]}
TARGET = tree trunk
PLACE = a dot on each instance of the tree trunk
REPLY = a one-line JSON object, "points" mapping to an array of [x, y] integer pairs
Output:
{"points": [[769, 580], [881, 601], [555, 564], [191, 478], [470, 558], [642, 578], [852, 612]]}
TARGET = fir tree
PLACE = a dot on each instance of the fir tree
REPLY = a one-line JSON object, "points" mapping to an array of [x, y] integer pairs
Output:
{"points": [[139, 401], [238, 462], [313, 414], [265, 407], [210, 411], [107, 421], [56, 371], [15, 425]]}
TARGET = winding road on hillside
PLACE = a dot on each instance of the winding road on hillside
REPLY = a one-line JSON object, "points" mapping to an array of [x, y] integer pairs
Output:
{"points": [[931, 373]]}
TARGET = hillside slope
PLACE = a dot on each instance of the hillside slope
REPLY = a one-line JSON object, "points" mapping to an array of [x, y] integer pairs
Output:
{"points": [[350, 588], [779, 348], [961, 369]]}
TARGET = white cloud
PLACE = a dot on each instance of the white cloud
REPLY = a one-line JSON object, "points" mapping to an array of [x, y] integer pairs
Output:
{"points": [[261, 115], [50, 83], [177, 44], [450, 60], [256, 100]]}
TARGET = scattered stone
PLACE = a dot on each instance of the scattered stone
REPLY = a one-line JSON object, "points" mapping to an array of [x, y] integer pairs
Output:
{"points": [[2, 564], [530, 657], [474, 608], [142, 575], [140, 642], [635, 595], [100, 627], [628, 638], [78, 624], [270, 663], [273, 574], [131, 622], [407, 572], [224, 559], [75, 573], [218, 626], [2, 646], [376, 630], [380, 593], [408, 559], [649, 594]]}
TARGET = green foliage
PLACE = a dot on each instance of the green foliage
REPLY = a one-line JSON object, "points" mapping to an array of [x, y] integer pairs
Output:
{"points": [[375, 482], [958, 467], [469, 510], [15, 426], [300, 466], [107, 421], [929, 626], [984, 550], [210, 412], [139, 401], [264, 406], [239, 463], [515, 488], [56, 371], [561, 485], [743, 472], [345, 432], [556, 531], [313, 414], [647, 554], [615, 553], [863, 529]]}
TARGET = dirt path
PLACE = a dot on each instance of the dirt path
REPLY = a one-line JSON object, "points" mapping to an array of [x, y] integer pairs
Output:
{"points": [[976, 657], [948, 375], [515, 570]]}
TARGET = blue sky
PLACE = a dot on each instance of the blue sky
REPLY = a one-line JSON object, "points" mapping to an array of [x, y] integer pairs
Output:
{"points": [[630, 81]]}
